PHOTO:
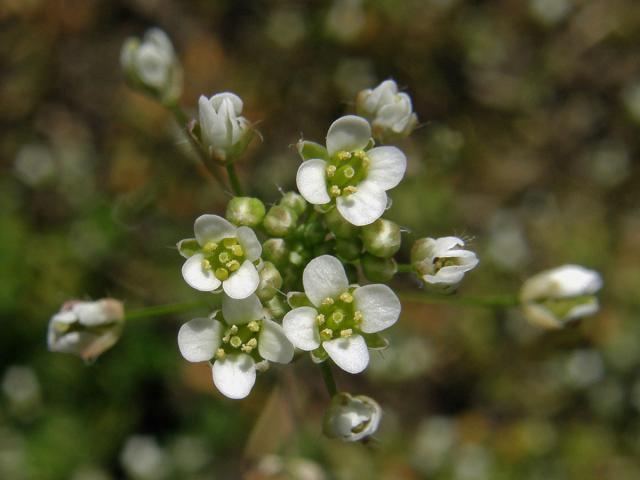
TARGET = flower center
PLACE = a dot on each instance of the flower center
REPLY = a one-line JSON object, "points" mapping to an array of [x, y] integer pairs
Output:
{"points": [[441, 262], [240, 339], [223, 258], [562, 307], [345, 170], [337, 317]]}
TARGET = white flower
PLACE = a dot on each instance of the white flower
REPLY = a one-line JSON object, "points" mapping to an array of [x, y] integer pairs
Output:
{"points": [[221, 254], [442, 261], [355, 177], [391, 113], [351, 418], [225, 133], [554, 297], [86, 329], [153, 65], [344, 319], [237, 344]]}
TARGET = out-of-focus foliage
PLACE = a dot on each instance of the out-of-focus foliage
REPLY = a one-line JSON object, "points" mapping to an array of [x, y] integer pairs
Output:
{"points": [[528, 150]]}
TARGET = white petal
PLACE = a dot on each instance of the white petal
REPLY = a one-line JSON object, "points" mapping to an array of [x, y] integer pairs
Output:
{"points": [[208, 120], [239, 312], [273, 344], [198, 339], [196, 276], [311, 182], [324, 277], [212, 228], [243, 282], [380, 307], [387, 167], [301, 328], [219, 98], [235, 375], [348, 133], [249, 243], [365, 206], [350, 354]]}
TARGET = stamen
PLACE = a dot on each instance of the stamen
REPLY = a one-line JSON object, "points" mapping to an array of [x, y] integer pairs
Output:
{"points": [[210, 247], [327, 301], [253, 326], [346, 297], [349, 190], [233, 330], [235, 342], [253, 343], [233, 265], [246, 348], [229, 242], [331, 171], [343, 155], [366, 162], [359, 154], [320, 319], [326, 334], [206, 264], [357, 317], [346, 333], [220, 353], [221, 274], [334, 191], [237, 250]]}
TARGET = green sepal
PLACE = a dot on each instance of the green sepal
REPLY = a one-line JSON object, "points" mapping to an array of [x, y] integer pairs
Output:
{"points": [[375, 341], [188, 247], [309, 150], [298, 299], [319, 355]]}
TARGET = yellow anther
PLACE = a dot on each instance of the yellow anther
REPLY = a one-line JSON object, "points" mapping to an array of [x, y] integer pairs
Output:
{"points": [[253, 326], [337, 316], [233, 265], [320, 319], [206, 264], [349, 190], [359, 154], [229, 242], [327, 301], [357, 316], [221, 274], [246, 348], [331, 171], [237, 250], [326, 334], [235, 341], [366, 162], [220, 353], [346, 333], [225, 339], [233, 329], [346, 297], [210, 247], [335, 191], [253, 343], [349, 172], [342, 156], [224, 257]]}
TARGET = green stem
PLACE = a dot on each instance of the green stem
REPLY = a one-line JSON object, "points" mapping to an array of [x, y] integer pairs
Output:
{"points": [[233, 178], [493, 301], [211, 167], [327, 376], [160, 310]]}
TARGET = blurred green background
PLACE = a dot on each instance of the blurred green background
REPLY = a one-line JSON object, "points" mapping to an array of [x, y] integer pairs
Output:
{"points": [[528, 149]]}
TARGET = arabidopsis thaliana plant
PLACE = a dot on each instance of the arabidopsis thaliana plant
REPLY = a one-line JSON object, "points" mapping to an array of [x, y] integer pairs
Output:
{"points": [[351, 174], [351, 418], [86, 329], [555, 297], [442, 261], [221, 254], [224, 131], [237, 340], [152, 65], [343, 319], [391, 113]]}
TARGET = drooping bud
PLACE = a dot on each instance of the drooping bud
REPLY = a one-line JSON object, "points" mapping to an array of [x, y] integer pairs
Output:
{"points": [[381, 238], [224, 132], [247, 211], [275, 250], [270, 282], [554, 298], [391, 113], [280, 221], [338, 225], [294, 201], [86, 329], [152, 66], [442, 261], [378, 269], [351, 418]]}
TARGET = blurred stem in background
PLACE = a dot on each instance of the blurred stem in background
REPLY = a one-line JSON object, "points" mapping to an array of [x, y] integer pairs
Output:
{"points": [[233, 178], [160, 310], [327, 376], [490, 301]]}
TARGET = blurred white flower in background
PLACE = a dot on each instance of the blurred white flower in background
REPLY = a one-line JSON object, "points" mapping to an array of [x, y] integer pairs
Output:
{"points": [[143, 459]]}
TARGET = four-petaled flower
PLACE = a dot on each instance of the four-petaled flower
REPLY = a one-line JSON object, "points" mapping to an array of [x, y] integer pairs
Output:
{"points": [[237, 340], [221, 254], [442, 261], [343, 319], [350, 173]]}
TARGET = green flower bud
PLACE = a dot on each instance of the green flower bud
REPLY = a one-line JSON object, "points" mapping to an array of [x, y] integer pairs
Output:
{"points": [[338, 225], [299, 255], [280, 221], [270, 282], [314, 233], [275, 250], [294, 201], [246, 211], [381, 238], [352, 273], [348, 249], [277, 306], [325, 248], [378, 269]]}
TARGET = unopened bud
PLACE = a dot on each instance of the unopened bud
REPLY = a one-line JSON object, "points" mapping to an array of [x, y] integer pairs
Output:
{"points": [[294, 201], [275, 250], [280, 221], [270, 282], [378, 269], [381, 238], [348, 249], [247, 211], [277, 306], [338, 225]]}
